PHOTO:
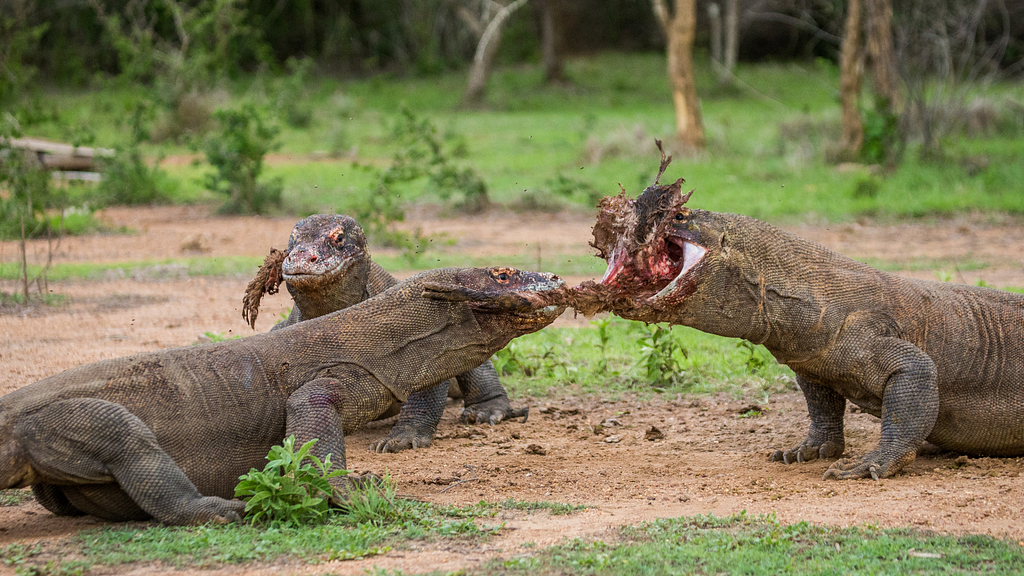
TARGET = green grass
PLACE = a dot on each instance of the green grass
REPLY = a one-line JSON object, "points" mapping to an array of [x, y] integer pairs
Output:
{"points": [[742, 544], [168, 267], [344, 536], [765, 156], [572, 361]]}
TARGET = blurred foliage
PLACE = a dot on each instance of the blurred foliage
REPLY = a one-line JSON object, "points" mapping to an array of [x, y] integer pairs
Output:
{"points": [[236, 150]]}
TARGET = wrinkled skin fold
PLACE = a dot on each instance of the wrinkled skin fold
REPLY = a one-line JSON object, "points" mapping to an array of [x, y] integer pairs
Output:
{"points": [[166, 434], [935, 361]]}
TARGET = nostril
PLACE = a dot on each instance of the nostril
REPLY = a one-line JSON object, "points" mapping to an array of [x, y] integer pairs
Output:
{"points": [[312, 258]]}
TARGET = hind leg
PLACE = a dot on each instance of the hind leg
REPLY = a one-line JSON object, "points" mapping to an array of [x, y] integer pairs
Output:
{"points": [[86, 441], [53, 499]]}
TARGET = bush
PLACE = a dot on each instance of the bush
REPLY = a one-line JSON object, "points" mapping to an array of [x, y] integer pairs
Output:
{"points": [[127, 179], [236, 151], [22, 209], [288, 491]]}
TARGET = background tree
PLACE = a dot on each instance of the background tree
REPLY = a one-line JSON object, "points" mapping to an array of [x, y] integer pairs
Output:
{"points": [[851, 72], [679, 27], [550, 42], [486, 24]]}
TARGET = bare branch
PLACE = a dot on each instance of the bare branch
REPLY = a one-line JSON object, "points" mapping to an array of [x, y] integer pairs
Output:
{"points": [[661, 11], [493, 27]]}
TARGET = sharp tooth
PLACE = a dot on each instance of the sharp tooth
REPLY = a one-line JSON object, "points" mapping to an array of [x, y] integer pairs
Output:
{"points": [[692, 254], [615, 266]]}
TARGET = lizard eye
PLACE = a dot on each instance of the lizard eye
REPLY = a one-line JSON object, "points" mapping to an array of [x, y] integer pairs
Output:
{"points": [[680, 216], [503, 275]]}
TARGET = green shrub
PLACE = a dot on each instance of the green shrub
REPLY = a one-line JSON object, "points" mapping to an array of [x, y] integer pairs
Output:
{"points": [[288, 491], [22, 209], [127, 178], [659, 355], [236, 151]]}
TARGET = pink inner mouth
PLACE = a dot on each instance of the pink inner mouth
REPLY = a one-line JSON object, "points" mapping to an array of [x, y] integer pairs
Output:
{"points": [[656, 272]]}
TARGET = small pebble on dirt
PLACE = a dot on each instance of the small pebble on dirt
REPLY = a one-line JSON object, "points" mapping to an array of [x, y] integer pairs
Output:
{"points": [[613, 439], [536, 449]]}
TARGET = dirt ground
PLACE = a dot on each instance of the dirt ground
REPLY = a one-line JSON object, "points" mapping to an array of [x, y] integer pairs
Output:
{"points": [[709, 459]]}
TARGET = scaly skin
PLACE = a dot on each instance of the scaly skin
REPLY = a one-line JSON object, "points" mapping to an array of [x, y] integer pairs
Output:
{"points": [[327, 268], [935, 361], [167, 434]]}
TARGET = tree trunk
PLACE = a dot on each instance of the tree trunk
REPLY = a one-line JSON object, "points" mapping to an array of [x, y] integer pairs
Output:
{"points": [[486, 49], [881, 53], [715, 20], [481, 69], [850, 78], [550, 44], [732, 34], [680, 29]]}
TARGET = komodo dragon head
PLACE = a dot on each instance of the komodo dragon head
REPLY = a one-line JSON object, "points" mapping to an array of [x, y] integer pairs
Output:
{"points": [[659, 252], [325, 267], [506, 302]]}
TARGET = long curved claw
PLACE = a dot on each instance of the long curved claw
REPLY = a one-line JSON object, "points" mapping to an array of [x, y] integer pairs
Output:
{"points": [[848, 469], [401, 439], [807, 452], [492, 412]]}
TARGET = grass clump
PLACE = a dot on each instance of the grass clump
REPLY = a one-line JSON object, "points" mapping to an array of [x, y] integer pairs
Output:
{"points": [[621, 356], [375, 521], [741, 544]]}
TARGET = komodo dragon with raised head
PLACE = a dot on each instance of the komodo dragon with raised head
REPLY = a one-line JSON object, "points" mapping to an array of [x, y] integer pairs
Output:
{"points": [[167, 434], [935, 361], [327, 267]]}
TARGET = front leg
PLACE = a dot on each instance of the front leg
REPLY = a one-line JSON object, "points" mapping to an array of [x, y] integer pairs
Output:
{"points": [[910, 406], [825, 438], [322, 409], [417, 421], [485, 399]]}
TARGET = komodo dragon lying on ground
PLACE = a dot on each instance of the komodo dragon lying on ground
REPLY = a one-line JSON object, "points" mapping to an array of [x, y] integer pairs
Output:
{"points": [[935, 361], [326, 268], [167, 434]]}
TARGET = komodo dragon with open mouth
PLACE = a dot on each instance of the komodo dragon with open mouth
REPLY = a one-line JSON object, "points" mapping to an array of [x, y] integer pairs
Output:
{"points": [[327, 267], [167, 434], [935, 361]]}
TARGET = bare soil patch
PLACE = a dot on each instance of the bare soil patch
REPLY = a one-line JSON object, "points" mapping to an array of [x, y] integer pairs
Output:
{"points": [[709, 459]]}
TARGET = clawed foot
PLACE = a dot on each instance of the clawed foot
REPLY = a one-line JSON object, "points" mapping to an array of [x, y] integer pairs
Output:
{"points": [[211, 509], [808, 451], [871, 466], [402, 438], [492, 412]]}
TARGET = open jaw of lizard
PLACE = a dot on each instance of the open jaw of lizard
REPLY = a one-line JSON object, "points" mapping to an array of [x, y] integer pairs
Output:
{"points": [[654, 252]]}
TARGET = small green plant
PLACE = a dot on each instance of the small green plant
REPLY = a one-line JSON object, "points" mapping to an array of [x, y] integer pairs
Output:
{"points": [[866, 188], [208, 337], [421, 154], [757, 358], [944, 275], [659, 355], [16, 554], [14, 497], [289, 490], [236, 151], [881, 135]]}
